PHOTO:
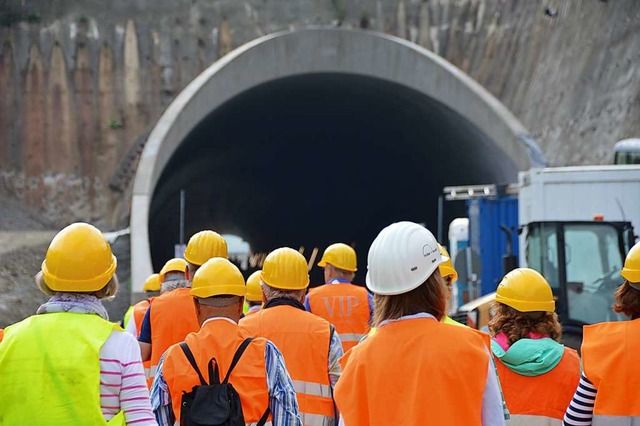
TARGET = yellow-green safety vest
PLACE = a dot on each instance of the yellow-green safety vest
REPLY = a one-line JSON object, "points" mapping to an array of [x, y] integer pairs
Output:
{"points": [[50, 371], [127, 317]]}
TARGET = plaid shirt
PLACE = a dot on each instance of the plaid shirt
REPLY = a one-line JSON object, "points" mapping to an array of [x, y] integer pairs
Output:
{"points": [[282, 396]]}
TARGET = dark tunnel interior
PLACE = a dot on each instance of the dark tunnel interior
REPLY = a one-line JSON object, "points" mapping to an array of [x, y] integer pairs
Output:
{"points": [[320, 158]]}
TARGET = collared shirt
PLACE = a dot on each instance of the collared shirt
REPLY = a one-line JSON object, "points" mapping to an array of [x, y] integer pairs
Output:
{"points": [[492, 408], [307, 305], [282, 395]]}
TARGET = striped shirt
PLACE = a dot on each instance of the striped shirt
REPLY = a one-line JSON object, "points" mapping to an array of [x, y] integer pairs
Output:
{"points": [[282, 395], [122, 381], [580, 410], [335, 353]]}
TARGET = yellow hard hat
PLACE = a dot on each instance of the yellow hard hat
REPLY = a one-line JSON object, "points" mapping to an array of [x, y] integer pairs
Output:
{"points": [[446, 267], [525, 290], [285, 269], [176, 264], [152, 283], [631, 270], [205, 245], [79, 259], [254, 291], [341, 256], [218, 277]]}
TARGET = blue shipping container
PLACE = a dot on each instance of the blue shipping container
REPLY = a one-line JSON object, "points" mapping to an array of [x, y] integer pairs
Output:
{"points": [[487, 238]]}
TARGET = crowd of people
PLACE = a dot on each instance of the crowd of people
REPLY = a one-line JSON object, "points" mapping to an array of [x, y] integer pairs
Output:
{"points": [[206, 347]]}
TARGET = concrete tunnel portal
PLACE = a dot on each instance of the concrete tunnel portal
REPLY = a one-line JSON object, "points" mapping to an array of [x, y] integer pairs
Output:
{"points": [[334, 152]]}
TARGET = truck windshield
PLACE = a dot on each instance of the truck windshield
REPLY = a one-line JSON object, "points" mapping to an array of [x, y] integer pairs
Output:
{"points": [[627, 158], [542, 252], [593, 262]]}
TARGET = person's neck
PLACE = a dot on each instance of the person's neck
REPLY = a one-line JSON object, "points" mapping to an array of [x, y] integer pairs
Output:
{"points": [[233, 318]]}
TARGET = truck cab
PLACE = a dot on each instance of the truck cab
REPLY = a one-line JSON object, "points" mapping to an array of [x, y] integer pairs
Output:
{"points": [[561, 232]]}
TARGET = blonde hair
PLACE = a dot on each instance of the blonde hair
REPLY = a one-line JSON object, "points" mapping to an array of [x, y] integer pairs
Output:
{"points": [[428, 297], [109, 290], [517, 325]]}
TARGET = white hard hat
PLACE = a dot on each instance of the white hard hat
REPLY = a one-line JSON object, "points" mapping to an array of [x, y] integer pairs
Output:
{"points": [[401, 258]]}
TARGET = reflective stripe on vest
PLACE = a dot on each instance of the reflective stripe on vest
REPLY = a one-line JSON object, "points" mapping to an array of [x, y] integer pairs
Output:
{"points": [[616, 421], [316, 420], [310, 388], [173, 316], [398, 360], [344, 305], [304, 340], [220, 339], [608, 364], [531, 420], [50, 370], [350, 337]]}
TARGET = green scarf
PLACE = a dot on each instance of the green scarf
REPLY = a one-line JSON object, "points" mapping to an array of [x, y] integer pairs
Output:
{"points": [[530, 357]]}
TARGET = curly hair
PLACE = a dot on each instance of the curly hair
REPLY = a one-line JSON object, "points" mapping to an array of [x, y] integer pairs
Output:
{"points": [[627, 300], [517, 325]]}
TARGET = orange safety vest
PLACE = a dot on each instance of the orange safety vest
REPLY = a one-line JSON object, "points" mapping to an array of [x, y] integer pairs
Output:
{"points": [[220, 339], [541, 400], [139, 310], [414, 372], [303, 339], [609, 352], [346, 306], [173, 316]]}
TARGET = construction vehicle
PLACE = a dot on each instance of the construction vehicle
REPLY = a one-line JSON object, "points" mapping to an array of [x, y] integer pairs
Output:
{"points": [[572, 224]]}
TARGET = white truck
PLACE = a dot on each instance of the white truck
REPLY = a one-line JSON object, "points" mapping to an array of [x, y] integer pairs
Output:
{"points": [[576, 225]]}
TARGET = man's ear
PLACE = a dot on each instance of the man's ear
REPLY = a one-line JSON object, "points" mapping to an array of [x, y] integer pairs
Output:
{"points": [[186, 273]]}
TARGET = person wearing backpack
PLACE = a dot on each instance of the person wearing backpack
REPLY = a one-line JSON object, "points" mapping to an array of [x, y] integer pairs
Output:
{"points": [[255, 387]]}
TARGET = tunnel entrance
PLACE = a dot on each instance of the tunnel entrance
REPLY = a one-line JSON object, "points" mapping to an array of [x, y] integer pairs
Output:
{"points": [[314, 136], [314, 159]]}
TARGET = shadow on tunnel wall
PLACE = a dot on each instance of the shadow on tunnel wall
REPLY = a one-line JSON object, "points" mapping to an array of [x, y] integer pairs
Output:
{"points": [[320, 158]]}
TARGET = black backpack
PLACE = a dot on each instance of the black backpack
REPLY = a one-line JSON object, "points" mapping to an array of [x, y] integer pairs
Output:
{"points": [[214, 403]]}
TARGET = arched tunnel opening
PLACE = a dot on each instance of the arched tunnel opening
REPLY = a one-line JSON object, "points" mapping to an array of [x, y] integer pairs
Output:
{"points": [[320, 158]]}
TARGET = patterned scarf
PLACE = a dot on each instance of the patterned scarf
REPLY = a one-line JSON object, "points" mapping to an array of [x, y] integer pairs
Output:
{"points": [[74, 302]]}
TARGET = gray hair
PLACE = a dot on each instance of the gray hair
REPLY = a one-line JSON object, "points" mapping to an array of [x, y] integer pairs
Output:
{"points": [[277, 293], [173, 284], [219, 301], [109, 290]]}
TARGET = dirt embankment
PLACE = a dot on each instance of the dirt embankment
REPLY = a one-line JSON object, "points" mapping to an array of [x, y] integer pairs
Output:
{"points": [[24, 239]]}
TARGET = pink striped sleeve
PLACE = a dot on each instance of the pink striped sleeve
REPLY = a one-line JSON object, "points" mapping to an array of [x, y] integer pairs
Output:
{"points": [[122, 381]]}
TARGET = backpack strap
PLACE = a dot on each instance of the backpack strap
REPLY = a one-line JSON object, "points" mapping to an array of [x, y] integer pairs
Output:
{"points": [[214, 375], [264, 417], [192, 361], [236, 357]]}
